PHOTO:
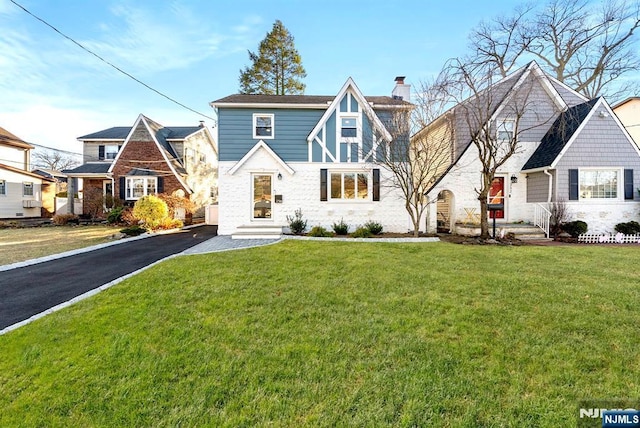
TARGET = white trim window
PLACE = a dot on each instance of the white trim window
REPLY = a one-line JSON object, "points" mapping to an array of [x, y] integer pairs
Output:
{"points": [[349, 185], [349, 127], [599, 183], [27, 188], [506, 130], [138, 187], [263, 125], [110, 151], [3, 188]]}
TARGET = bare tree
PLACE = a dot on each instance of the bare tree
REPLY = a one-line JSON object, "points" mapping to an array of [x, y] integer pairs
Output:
{"points": [[502, 40], [54, 160], [415, 162], [586, 48], [484, 109]]}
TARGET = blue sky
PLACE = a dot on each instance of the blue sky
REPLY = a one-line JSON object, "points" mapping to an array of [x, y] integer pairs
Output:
{"points": [[192, 50]]}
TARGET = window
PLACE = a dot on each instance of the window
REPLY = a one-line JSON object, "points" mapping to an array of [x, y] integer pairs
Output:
{"points": [[27, 189], [110, 152], [263, 126], [348, 127], [506, 130], [3, 188], [349, 185], [598, 183], [138, 187]]}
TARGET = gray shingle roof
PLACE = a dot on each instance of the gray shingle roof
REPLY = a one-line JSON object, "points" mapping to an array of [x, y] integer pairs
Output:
{"points": [[559, 135], [299, 99], [121, 132], [90, 168]]}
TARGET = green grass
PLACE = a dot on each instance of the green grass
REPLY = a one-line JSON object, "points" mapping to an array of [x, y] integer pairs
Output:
{"points": [[337, 334], [17, 245]]}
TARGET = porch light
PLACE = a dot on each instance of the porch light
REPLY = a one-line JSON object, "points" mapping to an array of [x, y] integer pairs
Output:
{"points": [[514, 179], [279, 176]]}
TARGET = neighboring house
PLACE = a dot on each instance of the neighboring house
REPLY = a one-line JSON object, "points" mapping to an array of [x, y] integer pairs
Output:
{"points": [[572, 149], [628, 111], [129, 162], [281, 153], [22, 193]]}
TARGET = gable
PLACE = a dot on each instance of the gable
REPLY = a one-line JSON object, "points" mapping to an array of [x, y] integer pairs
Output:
{"points": [[146, 148], [558, 136], [261, 148], [600, 142]]}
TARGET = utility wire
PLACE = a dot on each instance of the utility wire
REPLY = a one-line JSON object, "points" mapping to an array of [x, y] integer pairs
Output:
{"points": [[109, 63]]}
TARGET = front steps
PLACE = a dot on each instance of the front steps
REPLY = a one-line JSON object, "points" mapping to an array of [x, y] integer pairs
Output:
{"points": [[257, 232]]}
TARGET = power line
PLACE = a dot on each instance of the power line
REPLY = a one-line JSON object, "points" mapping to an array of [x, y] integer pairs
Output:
{"points": [[110, 64]]}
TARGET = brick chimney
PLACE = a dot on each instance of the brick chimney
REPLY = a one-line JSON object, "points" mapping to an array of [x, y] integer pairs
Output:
{"points": [[401, 91]]}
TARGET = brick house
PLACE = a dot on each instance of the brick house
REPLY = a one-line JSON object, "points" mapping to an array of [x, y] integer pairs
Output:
{"points": [[128, 163]]}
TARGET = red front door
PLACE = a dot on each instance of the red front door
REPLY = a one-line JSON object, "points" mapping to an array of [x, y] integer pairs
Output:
{"points": [[496, 196]]}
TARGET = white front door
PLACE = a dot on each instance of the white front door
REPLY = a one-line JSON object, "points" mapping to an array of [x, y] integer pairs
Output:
{"points": [[262, 197]]}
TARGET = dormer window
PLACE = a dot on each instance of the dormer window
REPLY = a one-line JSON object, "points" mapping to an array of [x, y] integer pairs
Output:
{"points": [[349, 127], [263, 126]]}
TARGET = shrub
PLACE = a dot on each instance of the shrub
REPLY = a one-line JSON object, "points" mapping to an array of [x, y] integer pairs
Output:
{"points": [[341, 228], [151, 210], [134, 230], [374, 227], [575, 228], [170, 223], [296, 223], [319, 231], [63, 219], [559, 215], [361, 232], [115, 215], [629, 228]]}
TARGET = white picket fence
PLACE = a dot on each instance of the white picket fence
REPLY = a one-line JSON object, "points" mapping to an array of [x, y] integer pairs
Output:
{"points": [[608, 238]]}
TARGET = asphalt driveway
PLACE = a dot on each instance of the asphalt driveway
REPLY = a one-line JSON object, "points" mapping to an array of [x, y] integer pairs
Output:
{"points": [[30, 290]]}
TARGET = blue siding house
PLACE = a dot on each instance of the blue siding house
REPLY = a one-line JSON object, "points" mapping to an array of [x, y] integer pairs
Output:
{"points": [[281, 153]]}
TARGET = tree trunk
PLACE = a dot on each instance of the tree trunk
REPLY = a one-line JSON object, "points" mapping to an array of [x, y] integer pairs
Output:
{"points": [[484, 216]]}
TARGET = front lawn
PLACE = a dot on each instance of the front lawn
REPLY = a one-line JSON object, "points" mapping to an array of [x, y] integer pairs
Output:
{"points": [[17, 245], [337, 334]]}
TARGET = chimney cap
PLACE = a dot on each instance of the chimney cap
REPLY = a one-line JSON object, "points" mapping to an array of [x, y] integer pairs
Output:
{"points": [[400, 80]]}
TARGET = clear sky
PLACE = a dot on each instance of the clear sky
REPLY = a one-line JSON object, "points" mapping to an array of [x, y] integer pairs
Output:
{"points": [[52, 92]]}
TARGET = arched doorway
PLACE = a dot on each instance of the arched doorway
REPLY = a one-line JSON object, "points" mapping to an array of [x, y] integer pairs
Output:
{"points": [[444, 208]]}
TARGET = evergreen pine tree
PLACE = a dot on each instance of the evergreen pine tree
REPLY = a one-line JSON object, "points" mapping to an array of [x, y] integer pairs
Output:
{"points": [[277, 67]]}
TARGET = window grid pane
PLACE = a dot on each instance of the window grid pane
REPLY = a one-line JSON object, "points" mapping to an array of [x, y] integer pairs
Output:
{"points": [[27, 189], [3, 187], [336, 186], [363, 190], [601, 184], [349, 186]]}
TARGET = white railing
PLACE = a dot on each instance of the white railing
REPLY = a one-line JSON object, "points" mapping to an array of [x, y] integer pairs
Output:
{"points": [[541, 218]]}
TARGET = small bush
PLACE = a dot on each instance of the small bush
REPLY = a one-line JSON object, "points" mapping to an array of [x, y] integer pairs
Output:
{"points": [[575, 228], [296, 223], [361, 232], [374, 227], [151, 210], [63, 219], [170, 223], [341, 228], [134, 230], [319, 231], [115, 215], [629, 228]]}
